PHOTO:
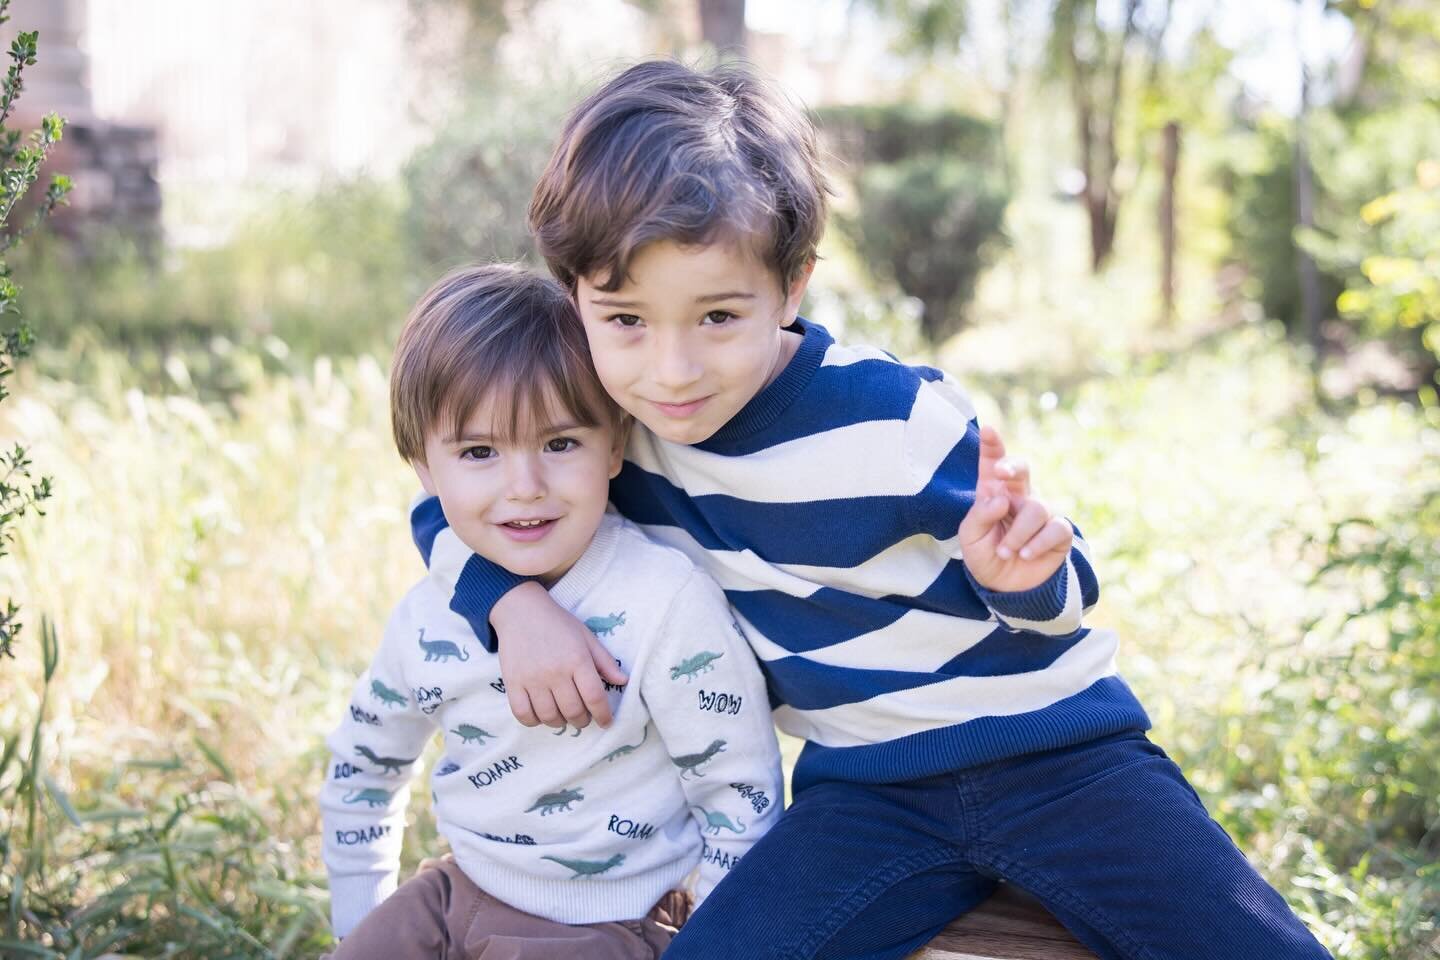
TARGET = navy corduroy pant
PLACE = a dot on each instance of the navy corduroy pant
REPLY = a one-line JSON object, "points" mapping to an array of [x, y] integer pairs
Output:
{"points": [[1107, 834]]}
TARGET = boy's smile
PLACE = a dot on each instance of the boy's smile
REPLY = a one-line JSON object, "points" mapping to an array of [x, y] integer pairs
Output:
{"points": [[691, 336], [530, 503]]}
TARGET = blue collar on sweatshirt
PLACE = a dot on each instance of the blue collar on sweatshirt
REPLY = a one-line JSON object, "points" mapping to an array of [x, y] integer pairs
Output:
{"points": [[766, 406]]}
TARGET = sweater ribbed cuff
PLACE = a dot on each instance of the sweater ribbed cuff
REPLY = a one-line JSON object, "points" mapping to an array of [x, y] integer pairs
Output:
{"points": [[1040, 603], [480, 586], [353, 896]]}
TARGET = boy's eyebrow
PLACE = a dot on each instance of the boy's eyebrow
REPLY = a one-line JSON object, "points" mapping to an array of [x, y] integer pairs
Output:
{"points": [[703, 298], [566, 427]]}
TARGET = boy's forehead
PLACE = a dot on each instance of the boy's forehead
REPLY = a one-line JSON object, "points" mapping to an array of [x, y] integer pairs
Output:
{"points": [[691, 272], [508, 415]]}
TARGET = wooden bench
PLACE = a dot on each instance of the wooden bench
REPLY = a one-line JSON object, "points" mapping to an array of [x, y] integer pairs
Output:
{"points": [[1009, 926]]}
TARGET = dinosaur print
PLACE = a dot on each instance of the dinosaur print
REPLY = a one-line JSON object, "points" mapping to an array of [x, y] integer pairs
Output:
{"points": [[628, 748], [714, 821], [447, 768], [587, 868], [691, 667], [441, 650], [371, 796], [391, 698], [471, 734], [604, 626], [386, 764], [551, 802], [566, 726], [691, 762]]}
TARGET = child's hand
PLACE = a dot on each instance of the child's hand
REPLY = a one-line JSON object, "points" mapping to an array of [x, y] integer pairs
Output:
{"points": [[552, 665], [1009, 540]]}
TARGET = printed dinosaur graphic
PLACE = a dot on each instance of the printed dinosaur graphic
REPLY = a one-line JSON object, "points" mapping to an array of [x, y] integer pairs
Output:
{"points": [[386, 764], [628, 748], [714, 821], [471, 734], [692, 667], [604, 626], [560, 801], [691, 762], [391, 698], [371, 796], [441, 650], [587, 868], [566, 726], [447, 768]]}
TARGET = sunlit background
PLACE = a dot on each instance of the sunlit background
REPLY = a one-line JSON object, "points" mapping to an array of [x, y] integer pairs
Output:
{"points": [[1183, 252]]}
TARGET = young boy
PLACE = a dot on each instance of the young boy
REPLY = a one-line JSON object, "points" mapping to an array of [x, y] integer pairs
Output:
{"points": [[963, 725], [562, 843]]}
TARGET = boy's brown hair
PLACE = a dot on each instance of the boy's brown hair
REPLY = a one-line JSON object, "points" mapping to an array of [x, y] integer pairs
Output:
{"points": [[664, 152], [496, 332]]}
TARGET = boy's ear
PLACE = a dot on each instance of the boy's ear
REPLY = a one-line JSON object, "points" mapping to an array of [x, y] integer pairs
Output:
{"points": [[617, 453], [423, 472], [796, 293]]}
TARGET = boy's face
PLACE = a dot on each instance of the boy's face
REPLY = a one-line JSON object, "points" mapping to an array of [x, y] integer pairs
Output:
{"points": [[532, 505], [693, 334]]}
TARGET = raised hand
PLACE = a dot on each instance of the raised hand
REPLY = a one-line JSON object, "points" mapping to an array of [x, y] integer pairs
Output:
{"points": [[1010, 541]]}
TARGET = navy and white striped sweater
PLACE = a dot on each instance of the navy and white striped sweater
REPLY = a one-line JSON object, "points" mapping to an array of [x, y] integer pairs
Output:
{"points": [[827, 509]]}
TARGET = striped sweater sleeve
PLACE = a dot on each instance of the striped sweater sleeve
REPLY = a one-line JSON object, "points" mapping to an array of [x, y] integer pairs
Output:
{"points": [[707, 698], [943, 444], [374, 751]]}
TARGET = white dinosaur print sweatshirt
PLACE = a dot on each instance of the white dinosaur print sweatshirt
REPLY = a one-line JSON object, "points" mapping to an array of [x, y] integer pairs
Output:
{"points": [[577, 826]]}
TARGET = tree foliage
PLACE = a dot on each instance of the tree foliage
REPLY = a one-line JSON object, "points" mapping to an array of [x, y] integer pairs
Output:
{"points": [[930, 202]]}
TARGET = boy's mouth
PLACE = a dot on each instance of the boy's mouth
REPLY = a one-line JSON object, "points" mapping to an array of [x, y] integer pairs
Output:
{"points": [[528, 529], [680, 410]]}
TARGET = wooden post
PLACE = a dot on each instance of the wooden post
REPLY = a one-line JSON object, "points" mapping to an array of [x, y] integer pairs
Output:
{"points": [[722, 25]]}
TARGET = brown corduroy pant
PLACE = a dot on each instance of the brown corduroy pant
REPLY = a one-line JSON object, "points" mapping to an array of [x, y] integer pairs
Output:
{"points": [[440, 914]]}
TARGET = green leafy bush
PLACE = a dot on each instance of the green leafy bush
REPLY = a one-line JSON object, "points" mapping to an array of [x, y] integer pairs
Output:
{"points": [[929, 203]]}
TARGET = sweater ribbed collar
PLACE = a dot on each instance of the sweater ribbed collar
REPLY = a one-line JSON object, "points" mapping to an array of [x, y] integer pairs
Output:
{"points": [[766, 406], [570, 589]]}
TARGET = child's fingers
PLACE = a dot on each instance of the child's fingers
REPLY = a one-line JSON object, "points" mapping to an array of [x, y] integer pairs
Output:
{"points": [[571, 707], [605, 663], [988, 510], [1056, 536], [546, 709], [1014, 472], [1029, 521], [520, 706], [992, 451], [592, 692]]}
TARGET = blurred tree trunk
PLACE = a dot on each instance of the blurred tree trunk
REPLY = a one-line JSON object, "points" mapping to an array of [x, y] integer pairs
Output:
{"points": [[1170, 161], [1096, 63], [1305, 220], [722, 26]]}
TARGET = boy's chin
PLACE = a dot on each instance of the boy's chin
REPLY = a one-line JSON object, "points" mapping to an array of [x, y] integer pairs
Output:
{"points": [[682, 432]]}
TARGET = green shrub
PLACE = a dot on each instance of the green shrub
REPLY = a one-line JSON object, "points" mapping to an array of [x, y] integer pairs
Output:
{"points": [[468, 190], [329, 272], [929, 203]]}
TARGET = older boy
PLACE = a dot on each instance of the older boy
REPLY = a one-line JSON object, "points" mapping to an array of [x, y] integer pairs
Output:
{"points": [[963, 725], [562, 844]]}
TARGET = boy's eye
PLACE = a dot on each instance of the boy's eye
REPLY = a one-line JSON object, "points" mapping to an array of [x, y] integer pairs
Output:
{"points": [[717, 317], [477, 453], [626, 320], [562, 444]]}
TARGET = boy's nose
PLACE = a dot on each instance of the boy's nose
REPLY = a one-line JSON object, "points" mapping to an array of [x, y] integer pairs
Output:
{"points": [[525, 479], [675, 367]]}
